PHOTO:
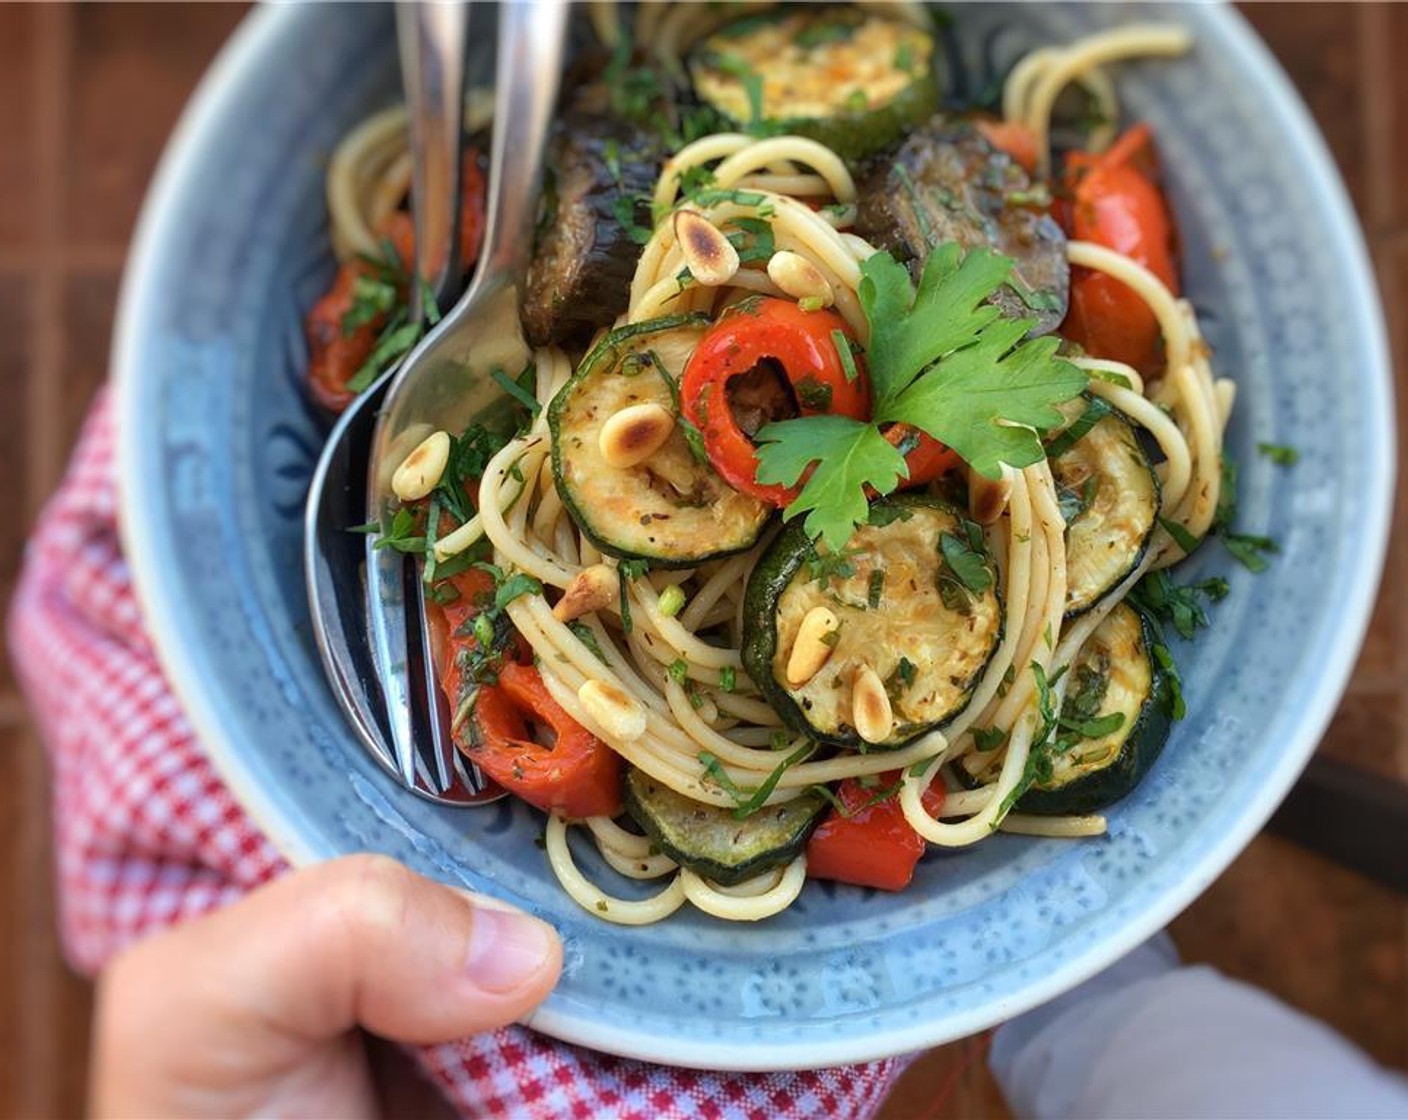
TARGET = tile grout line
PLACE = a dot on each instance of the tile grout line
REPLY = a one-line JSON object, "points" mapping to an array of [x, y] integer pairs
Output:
{"points": [[40, 987]]}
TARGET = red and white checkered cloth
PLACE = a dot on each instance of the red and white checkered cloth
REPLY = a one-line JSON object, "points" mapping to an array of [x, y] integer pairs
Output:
{"points": [[148, 835]]}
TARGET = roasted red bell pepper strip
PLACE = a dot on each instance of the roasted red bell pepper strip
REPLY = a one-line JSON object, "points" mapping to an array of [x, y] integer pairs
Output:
{"points": [[804, 345], [873, 846], [334, 357], [926, 457], [1113, 199], [1012, 137], [578, 776]]}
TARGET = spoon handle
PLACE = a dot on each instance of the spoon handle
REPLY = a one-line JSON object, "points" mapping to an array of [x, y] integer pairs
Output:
{"points": [[431, 41], [531, 36]]}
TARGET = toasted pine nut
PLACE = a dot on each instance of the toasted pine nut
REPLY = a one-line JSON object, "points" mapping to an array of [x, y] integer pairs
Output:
{"points": [[870, 706], [813, 645], [987, 497], [591, 589], [634, 434], [711, 260], [799, 278], [618, 714], [420, 471]]}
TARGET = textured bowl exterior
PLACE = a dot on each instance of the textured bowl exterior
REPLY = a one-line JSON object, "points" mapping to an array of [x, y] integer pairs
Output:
{"points": [[217, 444]]}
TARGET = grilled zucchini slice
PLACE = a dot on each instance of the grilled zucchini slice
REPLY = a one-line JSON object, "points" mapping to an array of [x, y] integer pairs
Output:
{"points": [[1109, 496], [1115, 674], [672, 509], [712, 841], [904, 612], [853, 80]]}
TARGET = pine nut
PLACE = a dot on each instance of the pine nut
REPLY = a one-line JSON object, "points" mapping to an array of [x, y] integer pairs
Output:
{"points": [[591, 589], [618, 714], [987, 497], [634, 434], [799, 278], [711, 260], [870, 706], [813, 645], [419, 473]]}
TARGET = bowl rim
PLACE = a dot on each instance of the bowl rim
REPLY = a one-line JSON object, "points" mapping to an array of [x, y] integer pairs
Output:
{"points": [[234, 65]]}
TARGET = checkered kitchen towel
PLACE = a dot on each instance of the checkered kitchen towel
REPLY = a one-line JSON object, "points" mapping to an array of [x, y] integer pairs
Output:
{"points": [[148, 835]]}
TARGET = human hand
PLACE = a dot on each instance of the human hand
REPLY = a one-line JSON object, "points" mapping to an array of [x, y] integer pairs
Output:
{"points": [[254, 1009]]}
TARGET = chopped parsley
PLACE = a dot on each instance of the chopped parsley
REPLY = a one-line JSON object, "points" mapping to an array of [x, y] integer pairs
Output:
{"points": [[1281, 455]]}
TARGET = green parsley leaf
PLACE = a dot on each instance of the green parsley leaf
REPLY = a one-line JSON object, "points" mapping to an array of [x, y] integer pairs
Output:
{"points": [[515, 587], [842, 341], [940, 359], [876, 588], [1181, 536], [728, 678], [850, 454], [988, 738], [514, 388], [1095, 410], [1248, 550], [1279, 454], [372, 298], [967, 564], [587, 637]]}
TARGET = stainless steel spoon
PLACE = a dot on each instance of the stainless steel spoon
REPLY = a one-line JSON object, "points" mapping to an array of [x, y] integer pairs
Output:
{"points": [[444, 384]]}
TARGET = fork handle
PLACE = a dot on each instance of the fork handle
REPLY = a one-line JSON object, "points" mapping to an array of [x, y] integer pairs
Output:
{"points": [[431, 42], [531, 36]]}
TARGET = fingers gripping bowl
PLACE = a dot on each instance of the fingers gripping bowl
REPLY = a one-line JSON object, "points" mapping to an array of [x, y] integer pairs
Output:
{"points": [[217, 442]]}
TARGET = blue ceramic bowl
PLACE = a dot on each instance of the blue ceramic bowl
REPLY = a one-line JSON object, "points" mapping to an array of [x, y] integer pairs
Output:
{"points": [[217, 442]]}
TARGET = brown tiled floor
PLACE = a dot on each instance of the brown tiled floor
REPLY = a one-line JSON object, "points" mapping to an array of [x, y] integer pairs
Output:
{"points": [[74, 158]]}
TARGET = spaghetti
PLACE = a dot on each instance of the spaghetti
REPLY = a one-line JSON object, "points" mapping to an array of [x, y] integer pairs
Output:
{"points": [[657, 670]]}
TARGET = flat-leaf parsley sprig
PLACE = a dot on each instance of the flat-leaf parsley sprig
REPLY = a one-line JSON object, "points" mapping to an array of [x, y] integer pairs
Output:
{"points": [[940, 358]]}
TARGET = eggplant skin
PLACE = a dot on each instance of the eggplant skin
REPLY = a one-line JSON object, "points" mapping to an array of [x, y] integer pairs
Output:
{"points": [[946, 182], [598, 171]]}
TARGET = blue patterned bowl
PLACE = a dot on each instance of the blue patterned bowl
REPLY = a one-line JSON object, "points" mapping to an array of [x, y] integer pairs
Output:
{"points": [[217, 442]]}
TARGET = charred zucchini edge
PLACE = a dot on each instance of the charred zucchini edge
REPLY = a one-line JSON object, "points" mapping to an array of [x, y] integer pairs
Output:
{"points": [[770, 578], [591, 366], [770, 837]]}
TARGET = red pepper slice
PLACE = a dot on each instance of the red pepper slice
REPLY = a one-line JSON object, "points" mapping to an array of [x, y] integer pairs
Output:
{"points": [[928, 460], [1012, 137], [802, 343], [874, 846], [335, 357], [578, 776], [1115, 201]]}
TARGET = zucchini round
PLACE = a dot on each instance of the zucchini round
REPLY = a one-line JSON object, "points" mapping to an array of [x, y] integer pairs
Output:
{"points": [[672, 509], [1115, 673], [852, 80], [712, 841], [1109, 496], [904, 613]]}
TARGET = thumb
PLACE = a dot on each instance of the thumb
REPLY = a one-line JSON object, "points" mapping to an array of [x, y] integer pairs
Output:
{"points": [[360, 941]]}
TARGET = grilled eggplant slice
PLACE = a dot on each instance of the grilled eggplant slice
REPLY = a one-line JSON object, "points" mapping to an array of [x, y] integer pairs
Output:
{"points": [[596, 210], [1109, 497], [904, 611], [1114, 681], [851, 79], [712, 841], [671, 509], [948, 183]]}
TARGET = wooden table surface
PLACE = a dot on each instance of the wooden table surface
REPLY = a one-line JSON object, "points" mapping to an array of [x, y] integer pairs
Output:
{"points": [[87, 96]]}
